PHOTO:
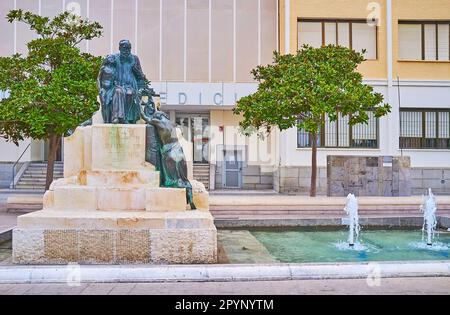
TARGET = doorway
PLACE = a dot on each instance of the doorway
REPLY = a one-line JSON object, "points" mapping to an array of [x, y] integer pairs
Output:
{"points": [[232, 172], [195, 128]]}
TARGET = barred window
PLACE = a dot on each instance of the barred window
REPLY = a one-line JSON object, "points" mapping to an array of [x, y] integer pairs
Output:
{"points": [[339, 134], [425, 128]]}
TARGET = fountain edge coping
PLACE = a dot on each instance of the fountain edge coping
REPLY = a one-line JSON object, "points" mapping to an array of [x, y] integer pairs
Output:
{"points": [[221, 273]]}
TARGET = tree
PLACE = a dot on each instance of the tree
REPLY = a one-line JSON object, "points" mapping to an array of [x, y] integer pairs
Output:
{"points": [[300, 90], [52, 89]]}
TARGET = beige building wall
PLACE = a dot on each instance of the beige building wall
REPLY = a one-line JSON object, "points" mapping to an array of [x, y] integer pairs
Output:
{"points": [[338, 9], [419, 10], [358, 9], [259, 151]]}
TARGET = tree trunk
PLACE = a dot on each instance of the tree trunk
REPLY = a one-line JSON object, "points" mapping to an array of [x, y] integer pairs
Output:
{"points": [[51, 157], [313, 188]]}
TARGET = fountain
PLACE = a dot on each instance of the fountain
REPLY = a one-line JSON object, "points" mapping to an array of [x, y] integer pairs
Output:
{"points": [[428, 208], [351, 208]]}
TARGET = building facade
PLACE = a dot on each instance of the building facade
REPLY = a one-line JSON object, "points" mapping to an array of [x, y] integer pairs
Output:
{"points": [[199, 54], [408, 62]]}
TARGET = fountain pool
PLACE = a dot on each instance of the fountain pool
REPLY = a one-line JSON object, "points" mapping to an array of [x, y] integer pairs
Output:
{"points": [[303, 246]]}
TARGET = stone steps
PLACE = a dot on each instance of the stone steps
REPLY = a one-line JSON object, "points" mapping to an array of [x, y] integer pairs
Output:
{"points": [[201, 174], [34, 177]]}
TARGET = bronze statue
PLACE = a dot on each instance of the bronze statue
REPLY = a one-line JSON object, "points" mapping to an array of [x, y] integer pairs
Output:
{"points": [[173, 167], [120, 80], [106, 84], [126, 96]]}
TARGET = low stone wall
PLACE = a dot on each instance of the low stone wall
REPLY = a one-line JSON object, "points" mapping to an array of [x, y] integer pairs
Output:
{"points": [[368, 175], [297, 180], [438, 179], [253, 178], [367, 179]]}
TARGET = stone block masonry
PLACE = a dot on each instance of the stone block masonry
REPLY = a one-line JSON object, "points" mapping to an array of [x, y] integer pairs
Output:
{"points": [[438, 179], [253, 178], [368, 176], [296, 180]]}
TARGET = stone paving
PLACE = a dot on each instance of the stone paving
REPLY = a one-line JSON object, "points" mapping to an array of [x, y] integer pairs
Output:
{"points": [[241, 247], [419, 286]]}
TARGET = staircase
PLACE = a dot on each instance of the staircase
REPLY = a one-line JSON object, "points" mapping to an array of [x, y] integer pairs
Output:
{"points": [[201, 174], [34, 177]]}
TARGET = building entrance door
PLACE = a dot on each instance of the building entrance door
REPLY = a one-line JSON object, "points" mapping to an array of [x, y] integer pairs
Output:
{"points": [[232, 169], [195, 129]]}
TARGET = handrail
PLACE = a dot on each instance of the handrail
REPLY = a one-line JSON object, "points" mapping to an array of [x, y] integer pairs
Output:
{"points": [[15, 164]]}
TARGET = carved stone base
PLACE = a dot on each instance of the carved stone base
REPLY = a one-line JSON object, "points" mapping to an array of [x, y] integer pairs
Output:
{"points": [[96, 237], [109, 209]]}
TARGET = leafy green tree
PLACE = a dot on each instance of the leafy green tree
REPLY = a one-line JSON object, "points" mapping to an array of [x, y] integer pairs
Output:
{"points": [[300, 90], [53, 88]]}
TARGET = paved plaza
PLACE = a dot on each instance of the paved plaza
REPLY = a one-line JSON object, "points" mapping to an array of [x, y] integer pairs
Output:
{"points": [[415, 286]]}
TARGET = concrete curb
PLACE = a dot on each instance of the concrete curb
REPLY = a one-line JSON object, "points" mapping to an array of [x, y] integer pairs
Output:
{"points": [[214, 273]]}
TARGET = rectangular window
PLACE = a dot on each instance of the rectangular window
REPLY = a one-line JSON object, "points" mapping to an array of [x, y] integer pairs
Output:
{"points": [[430, 42], [355, 34], [425, 129], [409, 45], [364, 37], [343, 34], [443, 42], [424, 40], [339, 134], [310, 33]]}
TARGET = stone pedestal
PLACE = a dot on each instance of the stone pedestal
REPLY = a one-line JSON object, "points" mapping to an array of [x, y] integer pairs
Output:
{"points": [[109, 209]]}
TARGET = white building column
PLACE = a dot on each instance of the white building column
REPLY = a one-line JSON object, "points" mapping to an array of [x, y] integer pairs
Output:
{"points": [[394, 116], [283, 136]]}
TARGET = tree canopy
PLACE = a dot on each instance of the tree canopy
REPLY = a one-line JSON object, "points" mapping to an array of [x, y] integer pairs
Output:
{"points": [[301, 90], [298, 90], [53, 88]]}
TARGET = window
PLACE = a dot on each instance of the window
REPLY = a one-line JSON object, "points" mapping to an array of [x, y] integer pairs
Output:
{"points": [[339, 134], [425, 128], [427, 40], [355, 34]]}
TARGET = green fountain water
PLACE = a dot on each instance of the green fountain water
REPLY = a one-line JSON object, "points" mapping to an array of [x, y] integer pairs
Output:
{"points": [[332, 246]]}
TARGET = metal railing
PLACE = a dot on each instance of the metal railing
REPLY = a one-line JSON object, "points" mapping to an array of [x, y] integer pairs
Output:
{"points": [[13, 186]]}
